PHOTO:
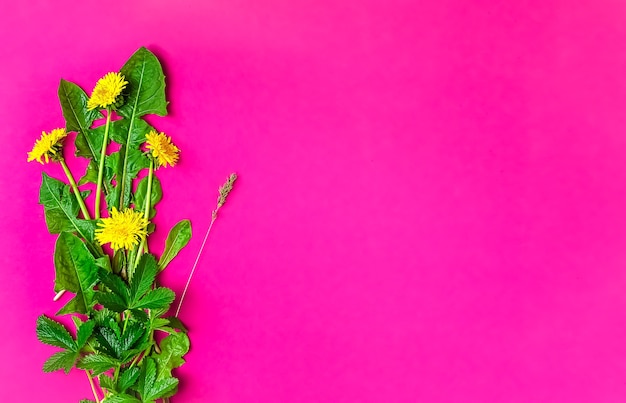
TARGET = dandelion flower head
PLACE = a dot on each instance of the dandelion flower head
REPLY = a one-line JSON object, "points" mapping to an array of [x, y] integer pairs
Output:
{"points": [[106, 91], [123, 229], [162, 149], [47, 146]]}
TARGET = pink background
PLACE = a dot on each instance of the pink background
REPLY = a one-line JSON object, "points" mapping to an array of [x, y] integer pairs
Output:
{"points": [[431, 204]]}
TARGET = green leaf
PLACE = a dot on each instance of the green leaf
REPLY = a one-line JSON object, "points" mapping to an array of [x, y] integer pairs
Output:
{"points": [[109, 342], [176, 240], [128, 378], [115, 284], [134, 335], [143, 278], [53, 333], [76, 271], [147, 377], [173, 348], [106, 382], [162, 388], [146, 94], [140, 195], [125, 165], [159, 298], [79, 119], [87, 401], [177, 324], [91, 174], [146, 85], [97, 363], [121, 399], [62, 360], [61, 211], [111, 301], [84, 332]]}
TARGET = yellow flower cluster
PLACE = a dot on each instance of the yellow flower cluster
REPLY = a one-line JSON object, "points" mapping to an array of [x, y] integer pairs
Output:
{"points": [[48, 146], [106, 91], [123, 229], [162, 149]]}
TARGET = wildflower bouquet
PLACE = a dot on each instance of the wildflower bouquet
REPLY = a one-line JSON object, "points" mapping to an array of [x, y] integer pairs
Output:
{"points": [[118, 309]]}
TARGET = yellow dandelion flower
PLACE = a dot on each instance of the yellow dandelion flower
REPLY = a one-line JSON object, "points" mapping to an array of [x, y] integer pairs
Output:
{"points": [[123, 229], [106, 91], [162, 149], [48, 146]]}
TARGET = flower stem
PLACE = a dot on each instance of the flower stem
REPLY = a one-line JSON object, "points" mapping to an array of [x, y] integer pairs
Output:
{"points": [[146, 213], [93, 386], [103, 154], [79, 197]]}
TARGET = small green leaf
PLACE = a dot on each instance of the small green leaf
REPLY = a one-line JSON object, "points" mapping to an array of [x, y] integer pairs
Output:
{"points": [[83, 333], [173, 348], [128, 378], [55, 334], [142, 278], [111, 301], [109, 342], [140, 195], [121, 399], [163, 388], [97, 363], [177, 324], [159, 298], [134, 334], [106, 382], [115, 284], [176, 240], [147, 377], [62, 360], [125, 165]]}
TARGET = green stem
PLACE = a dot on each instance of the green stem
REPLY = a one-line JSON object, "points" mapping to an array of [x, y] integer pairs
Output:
{"points": [[79, 197], [93, 386], [146, 213], [103, 154]]}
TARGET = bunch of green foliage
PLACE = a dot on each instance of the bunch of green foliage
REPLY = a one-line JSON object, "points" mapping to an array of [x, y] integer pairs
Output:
{"points": [[117, 307]]}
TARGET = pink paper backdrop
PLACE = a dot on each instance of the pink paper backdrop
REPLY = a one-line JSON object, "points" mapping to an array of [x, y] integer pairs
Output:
{"points": [[430, 206]]}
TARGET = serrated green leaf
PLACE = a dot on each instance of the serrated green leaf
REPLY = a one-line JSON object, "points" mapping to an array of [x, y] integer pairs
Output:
{"points": [[53, 333], [176, 240], [84, 332], [140, 195], [97, 363], [111, 301], [115, 284], [76, 271], [87, 401], [62, 360], [173, 348], [147, 377], [108, 342], [128, 378], [121, 399], [107, 382], [133, 336], [143, 278], [162, 388], [159, 298]]}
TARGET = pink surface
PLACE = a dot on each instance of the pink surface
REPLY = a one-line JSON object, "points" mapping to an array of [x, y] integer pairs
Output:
{"points": [[431, 204]]}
